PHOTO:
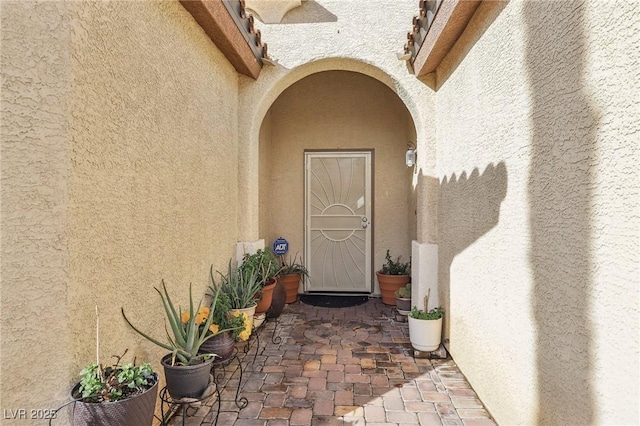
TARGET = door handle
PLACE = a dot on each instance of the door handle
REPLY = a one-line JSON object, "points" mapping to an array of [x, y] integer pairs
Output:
{"points": [[365, 223]]}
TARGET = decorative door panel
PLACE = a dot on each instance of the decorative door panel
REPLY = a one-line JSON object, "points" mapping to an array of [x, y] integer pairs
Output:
{"points": [[338, 221]]}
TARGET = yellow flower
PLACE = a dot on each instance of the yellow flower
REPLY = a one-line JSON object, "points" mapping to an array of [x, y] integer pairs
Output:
{"points": [[236, 313], [213, 328], [185, 317], [244, 335], [203, 314]]}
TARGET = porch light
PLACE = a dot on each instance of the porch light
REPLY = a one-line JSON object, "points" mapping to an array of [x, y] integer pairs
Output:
{"points": [[410, 158]]}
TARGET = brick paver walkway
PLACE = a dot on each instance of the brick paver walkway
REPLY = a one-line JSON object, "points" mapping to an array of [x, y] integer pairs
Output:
{"points": [[341, 366]]}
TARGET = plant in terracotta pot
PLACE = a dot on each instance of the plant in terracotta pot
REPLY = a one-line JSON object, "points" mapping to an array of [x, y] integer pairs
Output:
{"points": [[393, 275], [403, 299], [425, 327], [266, 267], [186, 369], [291, 273], [120, 394]]}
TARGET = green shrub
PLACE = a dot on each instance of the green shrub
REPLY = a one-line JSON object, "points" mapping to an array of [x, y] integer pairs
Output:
{"points": [[433, 314], [395, 267]]}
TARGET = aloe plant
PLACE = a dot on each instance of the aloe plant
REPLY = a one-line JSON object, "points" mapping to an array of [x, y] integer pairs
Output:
{"points": [[188, 334], [241, 286], [292, 266]]}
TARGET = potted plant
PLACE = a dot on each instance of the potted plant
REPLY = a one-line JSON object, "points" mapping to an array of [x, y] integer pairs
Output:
{"points": [[425, 327], [265, 265], [291, 273], [393, 275], [186, 369], [116, 395], [403, 299], [240, 286], [228, 326]]}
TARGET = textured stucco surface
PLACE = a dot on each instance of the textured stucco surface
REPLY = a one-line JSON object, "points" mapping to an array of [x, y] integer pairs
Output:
{"points": [[322, 36], [337, 110], [34, 349], [121, 129], [537, 132], [119, 170]]}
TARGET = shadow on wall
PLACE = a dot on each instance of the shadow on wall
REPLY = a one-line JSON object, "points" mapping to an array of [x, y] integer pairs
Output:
{"points": [[307, 13], [563, 152], [468, 208]]}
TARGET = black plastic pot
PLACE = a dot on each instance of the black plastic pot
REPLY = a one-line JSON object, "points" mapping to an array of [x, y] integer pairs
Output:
{"points": [[186, 381], [134, 411]]}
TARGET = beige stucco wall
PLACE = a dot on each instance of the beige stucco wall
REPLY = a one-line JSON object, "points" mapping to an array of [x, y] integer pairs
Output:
{"points": [[537, 134], [340, 110], [328, 35], [36, 168], [119, 169], [264, 183]]}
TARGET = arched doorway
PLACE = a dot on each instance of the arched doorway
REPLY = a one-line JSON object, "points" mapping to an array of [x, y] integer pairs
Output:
{"points": [[341, 113]]}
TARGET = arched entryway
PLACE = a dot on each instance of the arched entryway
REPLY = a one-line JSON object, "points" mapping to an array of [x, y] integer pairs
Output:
{"points": [[347, 114]]}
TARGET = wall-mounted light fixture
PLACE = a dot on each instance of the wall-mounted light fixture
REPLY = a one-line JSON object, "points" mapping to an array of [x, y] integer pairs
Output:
{"points": [[410, 158]]}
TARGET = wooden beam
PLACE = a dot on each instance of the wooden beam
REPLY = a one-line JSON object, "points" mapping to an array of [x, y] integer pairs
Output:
{"points": [[217, 23], [448, 24]]}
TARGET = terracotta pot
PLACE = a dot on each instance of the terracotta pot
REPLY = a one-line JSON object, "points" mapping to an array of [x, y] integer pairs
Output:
{"points": [[388, 286], [221, 344], [267, 294], [278, 300], [186, 381], [291, 285]]}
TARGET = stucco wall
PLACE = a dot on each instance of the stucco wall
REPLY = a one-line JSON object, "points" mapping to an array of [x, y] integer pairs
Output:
{"points": [[327, 35], [537, 134], [265, 183], [341, 110], [133, 149], [36, 66]]}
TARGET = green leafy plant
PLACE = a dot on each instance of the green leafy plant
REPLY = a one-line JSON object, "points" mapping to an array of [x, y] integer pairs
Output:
{"points": [[263, 263], [226, 318], [292, 266], [395, 267], [190, 329], [240, 286], [114, 383], [403, 292], [433, 314]]}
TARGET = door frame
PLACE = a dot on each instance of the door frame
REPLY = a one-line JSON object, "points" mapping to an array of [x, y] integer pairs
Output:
{"points": [[371, 151]]}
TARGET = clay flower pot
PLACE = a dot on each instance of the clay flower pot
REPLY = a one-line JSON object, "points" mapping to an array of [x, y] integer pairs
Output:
{"points": [[267, 294], [388, 286], [291, 284]]}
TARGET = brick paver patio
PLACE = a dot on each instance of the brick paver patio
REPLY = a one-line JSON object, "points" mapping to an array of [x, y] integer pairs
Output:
{"points": [[340, 366]]}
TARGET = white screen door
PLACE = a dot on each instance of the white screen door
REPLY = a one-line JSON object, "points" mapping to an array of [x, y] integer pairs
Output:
{"points": [[338, 221]]}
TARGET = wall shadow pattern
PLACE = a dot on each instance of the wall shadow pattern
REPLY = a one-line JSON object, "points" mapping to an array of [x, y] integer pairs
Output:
{"points": [[309, 12], [468, 208], [559, 188]]}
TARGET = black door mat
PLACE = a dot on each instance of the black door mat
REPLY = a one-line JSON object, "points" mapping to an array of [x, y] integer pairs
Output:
{"points": [[333, 301]]}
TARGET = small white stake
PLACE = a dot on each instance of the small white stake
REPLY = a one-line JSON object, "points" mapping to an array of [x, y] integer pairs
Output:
{"points": [[426, 300], [97, 337]]}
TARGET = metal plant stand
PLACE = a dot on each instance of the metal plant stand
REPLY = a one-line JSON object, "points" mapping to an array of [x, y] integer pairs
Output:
{"points": [[189, 406]]}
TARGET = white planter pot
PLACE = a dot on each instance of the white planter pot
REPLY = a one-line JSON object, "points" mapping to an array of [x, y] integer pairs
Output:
{"points": [[425, 335]]}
